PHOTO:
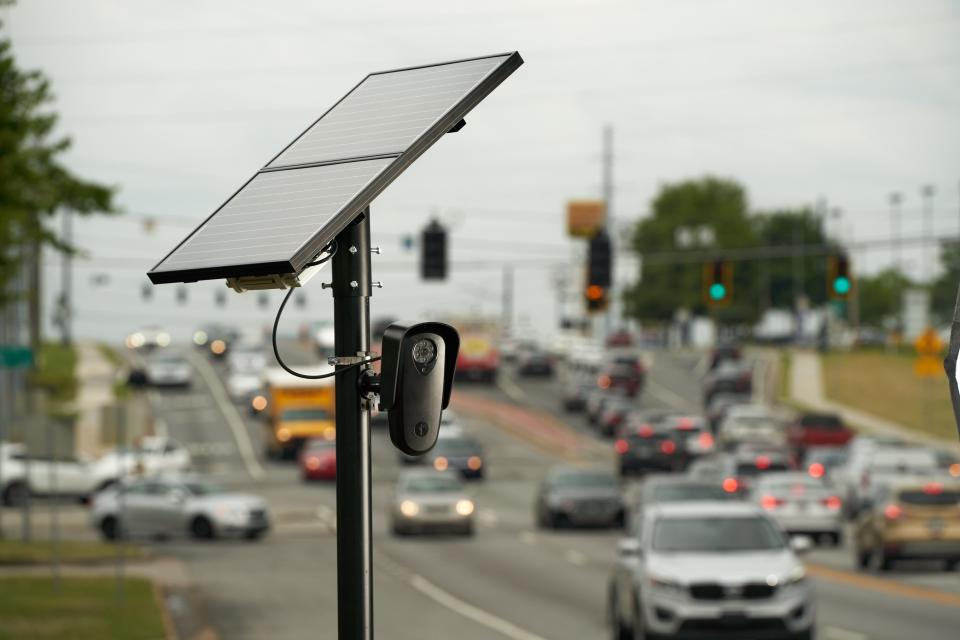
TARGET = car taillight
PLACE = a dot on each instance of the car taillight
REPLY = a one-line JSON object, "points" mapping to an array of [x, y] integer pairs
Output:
{"points": [[762, 462], [645, 431], [815, 470], [892, 511], [312, 463], [668, 446], [705, 440], [769, 502], [933, 488], [621, 446], [833, 503], [603, 382], [730, 485]]}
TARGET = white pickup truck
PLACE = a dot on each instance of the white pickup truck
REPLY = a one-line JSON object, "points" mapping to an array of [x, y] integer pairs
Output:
{"points": [[81, 478]]}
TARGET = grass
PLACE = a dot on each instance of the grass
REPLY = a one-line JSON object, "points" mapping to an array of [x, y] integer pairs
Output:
{"points": [[56, 372], [783, 377], [110, 354], [15, 552], [86, 608], [885, 385]]}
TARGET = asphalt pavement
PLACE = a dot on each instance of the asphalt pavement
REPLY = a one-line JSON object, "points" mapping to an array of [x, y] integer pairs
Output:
{"points": [[509, 581]]}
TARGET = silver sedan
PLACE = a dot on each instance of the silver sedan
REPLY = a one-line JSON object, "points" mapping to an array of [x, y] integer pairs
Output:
{"points": [[428, 500], [174, 507]]}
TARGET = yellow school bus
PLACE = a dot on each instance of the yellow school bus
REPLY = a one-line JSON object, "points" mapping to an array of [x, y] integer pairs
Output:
{"points": [[297, 410]]}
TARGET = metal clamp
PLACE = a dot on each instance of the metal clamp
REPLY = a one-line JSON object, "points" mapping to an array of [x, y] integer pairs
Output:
{"points": [[360, 358]]}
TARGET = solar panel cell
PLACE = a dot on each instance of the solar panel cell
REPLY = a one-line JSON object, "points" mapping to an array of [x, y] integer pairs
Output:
{"points": [[273, 215], [386, 112]]}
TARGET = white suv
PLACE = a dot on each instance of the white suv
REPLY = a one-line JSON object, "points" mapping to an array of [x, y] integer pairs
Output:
{"points": [[711, 569]]}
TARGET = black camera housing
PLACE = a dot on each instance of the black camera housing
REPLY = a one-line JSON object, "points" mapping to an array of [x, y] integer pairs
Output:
{"points": [[414, 391]]}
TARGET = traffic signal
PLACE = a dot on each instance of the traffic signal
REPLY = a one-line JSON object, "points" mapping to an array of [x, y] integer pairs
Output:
{"points": [[220, 297], [600, 260], [433, 252], [717, 283], [596, 298], [839, 277], [182, 294]]}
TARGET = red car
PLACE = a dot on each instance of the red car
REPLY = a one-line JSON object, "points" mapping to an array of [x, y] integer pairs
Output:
{"points": [[817, 430], [318, 460]]}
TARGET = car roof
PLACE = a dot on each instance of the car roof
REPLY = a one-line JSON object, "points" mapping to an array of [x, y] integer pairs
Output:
{"points": [[902, 454], [567, 469], [780, 476], [703, 508], [426, 472], [665, 479]]}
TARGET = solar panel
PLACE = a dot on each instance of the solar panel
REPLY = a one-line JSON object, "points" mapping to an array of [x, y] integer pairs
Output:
{"points": [[386, 112], [283, 216]]}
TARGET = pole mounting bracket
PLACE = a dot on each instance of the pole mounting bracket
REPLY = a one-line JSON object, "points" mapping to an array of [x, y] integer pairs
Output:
{"points": [[360, 358]]}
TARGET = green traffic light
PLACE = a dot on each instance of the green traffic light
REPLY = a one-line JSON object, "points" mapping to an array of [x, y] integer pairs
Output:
{"points": [[841, 285], [717, 291]]}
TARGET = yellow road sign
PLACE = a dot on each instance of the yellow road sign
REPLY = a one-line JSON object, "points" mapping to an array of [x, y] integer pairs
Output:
{"points": [[928, 343], [928, 367]]}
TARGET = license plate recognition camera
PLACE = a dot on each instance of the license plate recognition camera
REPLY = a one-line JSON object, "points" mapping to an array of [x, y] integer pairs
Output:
{"points": [[416, 376]]}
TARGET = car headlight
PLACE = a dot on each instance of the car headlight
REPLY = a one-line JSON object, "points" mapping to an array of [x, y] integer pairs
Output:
{"points": [[200, 338], [283, 434], [163, 339], [665, 584], [797, 574], [464, 507], [409, 508], [230, 513]]}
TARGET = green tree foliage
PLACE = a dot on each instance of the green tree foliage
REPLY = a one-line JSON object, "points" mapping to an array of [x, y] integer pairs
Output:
{"points": [[787, 228], [34, 184], [881, 296], [943, 294], [671, 281]]}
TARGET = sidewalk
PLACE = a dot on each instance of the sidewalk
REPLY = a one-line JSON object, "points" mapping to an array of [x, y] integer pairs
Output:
{"points": [[95, 379], [806, 388]]}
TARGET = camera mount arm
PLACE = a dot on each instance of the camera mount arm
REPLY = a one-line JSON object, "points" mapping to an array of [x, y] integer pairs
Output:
{"points": [[950, 362]]}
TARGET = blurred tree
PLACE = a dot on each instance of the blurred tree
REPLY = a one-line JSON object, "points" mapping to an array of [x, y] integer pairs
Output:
{"points": [[785, 228], [881, 296], [34, 184], [693, 216], [943, 292]]}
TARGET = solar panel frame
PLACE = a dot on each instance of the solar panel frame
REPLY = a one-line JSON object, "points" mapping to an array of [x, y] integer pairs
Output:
{"points": [[339, 221]]}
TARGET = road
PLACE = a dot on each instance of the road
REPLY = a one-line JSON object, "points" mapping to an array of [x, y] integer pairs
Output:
{"points": [[510, 581]]}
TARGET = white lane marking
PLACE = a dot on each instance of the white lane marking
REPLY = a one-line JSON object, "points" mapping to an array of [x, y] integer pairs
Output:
{"points": [[160, 426], [528, 537], [328, 516], [575, 558], [836, 633], [501, 626], [230, 413], [211, 449], [487, 517], [510, 388], [667, 395]]}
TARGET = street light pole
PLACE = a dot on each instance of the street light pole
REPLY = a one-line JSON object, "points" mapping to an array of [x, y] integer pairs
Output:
{"points": [[896, 198], [351, 322], [927, 191]]}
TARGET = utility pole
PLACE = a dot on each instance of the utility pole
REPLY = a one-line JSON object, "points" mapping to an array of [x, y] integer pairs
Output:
{"points": [[66, 280], [927, 191], [614, 312], [896, 198], [507, 300]]}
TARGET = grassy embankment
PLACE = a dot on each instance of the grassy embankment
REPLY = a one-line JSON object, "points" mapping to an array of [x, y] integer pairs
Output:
{"points": [[885, 385]]}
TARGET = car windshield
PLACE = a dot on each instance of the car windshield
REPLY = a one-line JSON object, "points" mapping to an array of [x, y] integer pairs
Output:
{"points": [[572, 480], [754, 468], [687, 492], [203, 488], [793, 487], [719, 534], [931, 497], [432, 484], [455, 446], [821, 421], [305, 414]]}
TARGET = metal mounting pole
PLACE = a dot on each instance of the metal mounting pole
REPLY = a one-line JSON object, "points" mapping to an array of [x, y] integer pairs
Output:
{"points": [[351, 322]]}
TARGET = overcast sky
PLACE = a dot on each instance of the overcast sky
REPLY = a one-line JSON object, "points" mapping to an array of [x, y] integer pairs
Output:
{"points": [[178, 102]]}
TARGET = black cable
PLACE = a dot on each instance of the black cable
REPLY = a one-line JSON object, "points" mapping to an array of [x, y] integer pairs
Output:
{"points": [[276, 323]]}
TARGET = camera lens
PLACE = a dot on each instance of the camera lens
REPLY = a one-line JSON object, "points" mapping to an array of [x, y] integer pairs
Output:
{"points": [[424, 351]]}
